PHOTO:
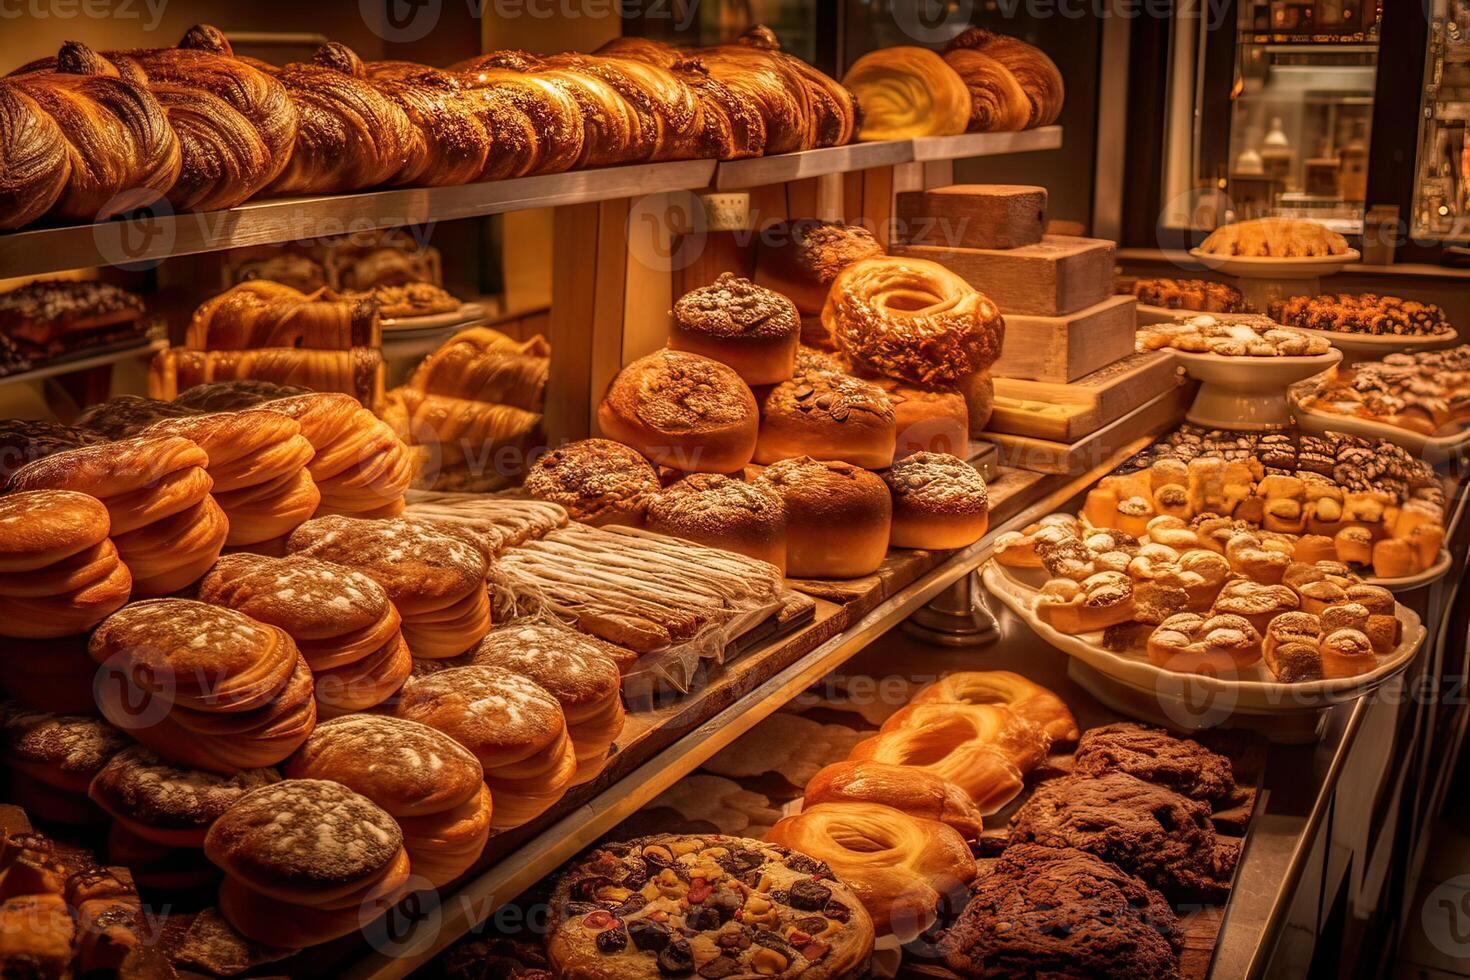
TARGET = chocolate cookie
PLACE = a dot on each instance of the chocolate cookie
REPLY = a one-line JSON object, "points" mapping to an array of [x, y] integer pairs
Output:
{"points": [[1061, 912], [1157, 757], [1147, 830]]}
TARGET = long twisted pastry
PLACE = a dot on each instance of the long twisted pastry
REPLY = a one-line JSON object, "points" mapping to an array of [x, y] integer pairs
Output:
{"points": [[453, 134]]}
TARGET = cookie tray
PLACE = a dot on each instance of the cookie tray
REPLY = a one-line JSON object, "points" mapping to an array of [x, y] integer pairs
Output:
{"points": [[1254, 693], [1435, 449]]}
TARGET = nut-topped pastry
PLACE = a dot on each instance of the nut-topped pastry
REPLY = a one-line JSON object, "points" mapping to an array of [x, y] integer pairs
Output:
{"points": [[598, 481], [738, 323], [827, 416], [939, 501], [712, 906], [715, 510], [799, 259], [1363, 313]]}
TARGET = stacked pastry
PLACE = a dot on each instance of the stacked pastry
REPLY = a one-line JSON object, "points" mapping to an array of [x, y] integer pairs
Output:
{"points": [[161, 812], [52, 759], [269, 332], [1423, 392], [430, 784], [203, 686], [472, 410], [341, 621], [290, 889], [892, 820], [513, 726], [258, 465], [360, 467], [166, 527], [24, 441], [435, 580]]}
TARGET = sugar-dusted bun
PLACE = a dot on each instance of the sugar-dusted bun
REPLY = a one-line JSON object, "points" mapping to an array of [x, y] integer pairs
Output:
{"points": [[584, 681], [167, 804], [283, 925], [434, 578], [309, 842], [682, 410], [511, 724], [360, 466], [63, 752], [598, 481], [838, 517], [939, 501], [196, 655], [917, 792], [405, 767], [442, 846], [827, 416], [933, 420], [799, 259], [740, 324], [63, 574], [721, 512]]}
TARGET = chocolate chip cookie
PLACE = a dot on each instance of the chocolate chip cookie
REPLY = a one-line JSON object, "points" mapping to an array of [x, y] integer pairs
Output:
{"points": [[1155, 756]]}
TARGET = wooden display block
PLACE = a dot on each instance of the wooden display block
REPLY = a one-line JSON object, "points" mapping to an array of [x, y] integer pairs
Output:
{"points": [[1064, 348], [1067, 412], [994, 216], [1056, 276], [1096, 449]]}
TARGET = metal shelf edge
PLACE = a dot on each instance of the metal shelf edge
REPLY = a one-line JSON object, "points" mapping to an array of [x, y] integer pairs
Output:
{"points": [[84, 363]]}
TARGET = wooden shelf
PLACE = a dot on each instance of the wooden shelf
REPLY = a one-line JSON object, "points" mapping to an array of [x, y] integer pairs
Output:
{"points": [[73, 365], [930, 148], [760, 171]]}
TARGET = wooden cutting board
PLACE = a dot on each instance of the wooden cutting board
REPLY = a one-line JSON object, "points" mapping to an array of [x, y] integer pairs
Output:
{"points": [[1067, 412], [1066, 458]]}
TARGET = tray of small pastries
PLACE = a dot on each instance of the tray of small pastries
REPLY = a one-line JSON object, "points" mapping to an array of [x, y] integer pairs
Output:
{"points": [[1367, 323], [958, 825], [1275, 248], [1419, 400]]}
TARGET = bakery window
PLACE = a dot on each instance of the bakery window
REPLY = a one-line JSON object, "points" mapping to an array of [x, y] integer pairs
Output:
{"points": [[1441, 202]]}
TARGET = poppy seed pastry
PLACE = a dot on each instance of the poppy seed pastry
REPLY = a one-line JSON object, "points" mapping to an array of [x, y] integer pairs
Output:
{"points": [[939, 501], [827, 416], [721, 512], [717, 906], [740, 324], [838, 517], [598, 481], [682, 410]]}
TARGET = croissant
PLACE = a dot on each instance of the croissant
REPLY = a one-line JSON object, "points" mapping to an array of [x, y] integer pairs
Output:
{"points": [[453, 135], [260, 313], [461, 444], [484, 365], [831, 108], [121, 154], [1033, 70], [538, 126], [998, 103], [235, 124], [908, 92], [351, 136]]}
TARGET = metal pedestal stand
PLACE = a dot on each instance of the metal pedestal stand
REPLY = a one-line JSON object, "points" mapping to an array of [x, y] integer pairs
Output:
{"points": [[957, 617]]}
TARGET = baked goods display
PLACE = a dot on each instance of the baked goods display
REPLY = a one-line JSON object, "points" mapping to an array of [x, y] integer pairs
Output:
{"points": [[838, 517], [710, 905], [1275, 238], [289, 889], [165, 525], [907, 92], [407, 300], [799, 259], [1423, 392], [203, 686], [682, 410], [431, 786], [512, 725], [827, 416], [1245, 335], [48, 319], [1013, 85], [719, 512], [598, 481], [361, 468], [435, 578], [740, 324], [1191, 294], [341, 621], [939, 501], [60, 573], [1362, 313], [472, 410]]}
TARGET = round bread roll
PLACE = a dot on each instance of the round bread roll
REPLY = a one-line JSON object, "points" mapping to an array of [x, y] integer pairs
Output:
{"points": [[584, 681], [838, 517], [734, 321], [60, 574], [978, 390], [681, 410], [165, 804], [360, 466], [799, 259], [934, 420], [721, 512], [433, 786], [52, 758], [598, 481], [939, 501], [511, 724], [827, 416], [435, 579]]}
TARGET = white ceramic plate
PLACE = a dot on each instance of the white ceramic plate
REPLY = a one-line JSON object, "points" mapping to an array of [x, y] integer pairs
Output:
{"points": [[1264, 267], [467, 313], [1406, 583], [1245, 392], [1148, 315], [1435, 449], [1254, 692], [1357, 343]]}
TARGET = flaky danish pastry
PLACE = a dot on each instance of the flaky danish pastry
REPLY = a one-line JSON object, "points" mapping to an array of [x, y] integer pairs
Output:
{"points": [[907, 92], [1035, 74]]}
